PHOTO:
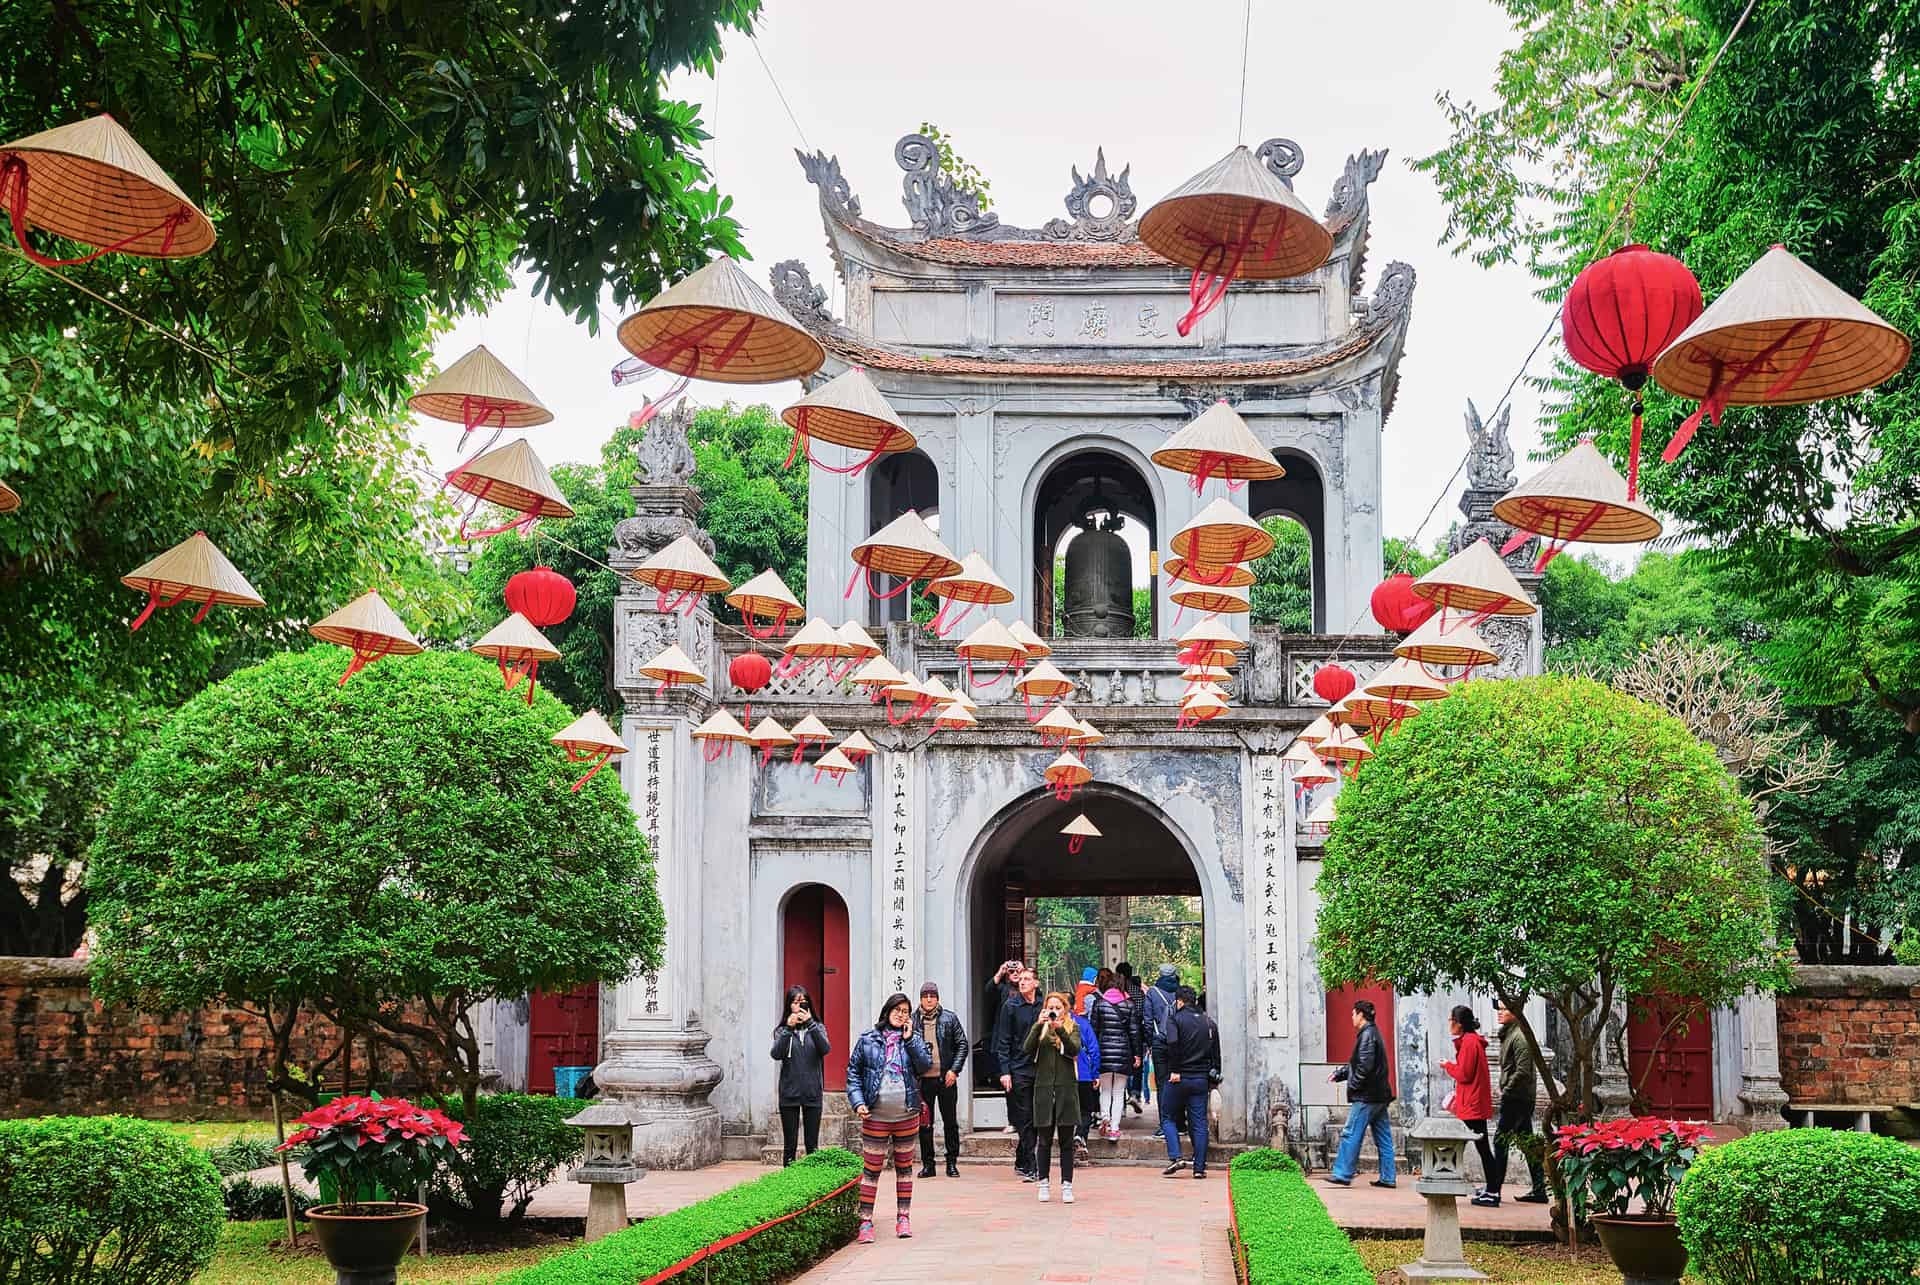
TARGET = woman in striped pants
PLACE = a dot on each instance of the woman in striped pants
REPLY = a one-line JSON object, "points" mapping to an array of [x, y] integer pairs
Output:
{"points": [[883, 1087]]}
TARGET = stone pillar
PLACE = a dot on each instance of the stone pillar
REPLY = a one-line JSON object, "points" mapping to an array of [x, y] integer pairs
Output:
{"points": [[1762, 1097], [1612, 1085], [1113, 933]]}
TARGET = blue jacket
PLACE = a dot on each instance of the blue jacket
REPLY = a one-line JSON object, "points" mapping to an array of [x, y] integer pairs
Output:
{"points": [[1087, 1065], [869, 1063]]}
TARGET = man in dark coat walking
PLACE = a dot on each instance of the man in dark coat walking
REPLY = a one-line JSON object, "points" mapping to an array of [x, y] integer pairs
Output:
{"points": [[1517, 1086], [1369, 1091], [1017, 1016], [940, 1086]]}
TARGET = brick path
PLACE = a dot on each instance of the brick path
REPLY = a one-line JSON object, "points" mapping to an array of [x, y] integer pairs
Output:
{"points": [[1403, 1210]]}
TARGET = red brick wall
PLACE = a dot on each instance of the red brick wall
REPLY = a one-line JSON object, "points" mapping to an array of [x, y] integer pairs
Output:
{"points": [[1850, 1033]]}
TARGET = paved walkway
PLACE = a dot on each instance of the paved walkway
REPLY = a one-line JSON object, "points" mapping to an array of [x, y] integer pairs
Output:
{"points": [[1376, 1211]]}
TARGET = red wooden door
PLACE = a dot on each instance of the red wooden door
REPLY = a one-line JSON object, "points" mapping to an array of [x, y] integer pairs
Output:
{"points": [[813, 954], [563, 1030], [1340, 1028], [1670, 1057]]}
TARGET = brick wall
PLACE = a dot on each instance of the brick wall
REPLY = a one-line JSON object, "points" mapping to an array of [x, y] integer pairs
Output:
{"points": [[1851, 1033]]}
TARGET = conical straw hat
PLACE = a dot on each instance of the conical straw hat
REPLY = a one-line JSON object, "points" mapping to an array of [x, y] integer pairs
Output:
{"points": [[1203, 688], [965, 701], [718, 315], [1475, 580], [1404, 681], [1203, 705], [366, 619], [196, 571], [1230, 575], [1312, 771], [720, 726], [9, 498], [765, 596], [849, 411], [1321, 818], [1068, 767], [990, 641], [1043, 680], [1058, 720], [1372, 711], [1457, 644], [1340, 713], [856, 743], [91, 182], [1776, 316], [1081, 826], [674, 668], [858, 641], [1219, 534], [953, 716], [1086, 734], [1037, 647], [589, 732], [974, 582], [817, 640], [1296, 752], [906, 547], [477, 382], [513, 477], [1237, 199], [1223, 600], [877, 672], [835, 762], [1317, 731], [1209, 654], [1219, 441], [515, 639], [1578, 497], [681, 566], [1344, 746], [1205, 674], [937, 689], [1212, 629], [812, 729], [769, 732]]}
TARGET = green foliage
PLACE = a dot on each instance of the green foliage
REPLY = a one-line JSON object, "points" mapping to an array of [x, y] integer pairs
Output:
{"points": [[777, 1253], [1282, 595], [240, 1154], [966, 178], [515, 1143], [103, 1200], [248, 1201], [1596, 620], [1284, 1233], [1803, 1205], [408, 838]]}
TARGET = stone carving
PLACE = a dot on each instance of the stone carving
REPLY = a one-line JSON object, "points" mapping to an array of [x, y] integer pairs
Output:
{"points": [[1116, 688], [1490, 459], [936, 207], [793, 289], [1350, 189], [1512, 637], [1197, 397], [823, 172], [1395, 295], [644, 534], [1088, 226], [1282, 156], [665, 457]]}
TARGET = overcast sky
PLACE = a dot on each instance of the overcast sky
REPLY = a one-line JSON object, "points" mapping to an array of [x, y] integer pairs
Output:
{"points": [[1028, 91]]}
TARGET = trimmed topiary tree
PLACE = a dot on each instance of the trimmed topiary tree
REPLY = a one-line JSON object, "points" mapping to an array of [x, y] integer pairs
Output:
{"points": [[1548, 836], [1803, 1205], [104, 1200], [515, 1143], [386, 853]]}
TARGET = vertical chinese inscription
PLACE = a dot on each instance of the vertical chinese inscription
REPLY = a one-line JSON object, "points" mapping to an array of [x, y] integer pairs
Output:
{"points": [[897, 878], [656, 793], [1267, 888]]}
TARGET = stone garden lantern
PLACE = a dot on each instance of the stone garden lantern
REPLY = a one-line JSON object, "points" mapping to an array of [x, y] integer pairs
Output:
{"points": [[1443, 1180], [607, 1164]]}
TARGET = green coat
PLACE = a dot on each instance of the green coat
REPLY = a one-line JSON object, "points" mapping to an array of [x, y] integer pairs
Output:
{"points": [[1056, 1084]]}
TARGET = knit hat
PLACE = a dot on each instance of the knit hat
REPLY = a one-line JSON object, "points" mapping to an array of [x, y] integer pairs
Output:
{"points": [[928, 988], [1088, 974], [1168, 970]]}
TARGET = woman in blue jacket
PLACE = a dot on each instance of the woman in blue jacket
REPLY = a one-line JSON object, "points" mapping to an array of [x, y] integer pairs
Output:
{"points": [[883, 1088]]}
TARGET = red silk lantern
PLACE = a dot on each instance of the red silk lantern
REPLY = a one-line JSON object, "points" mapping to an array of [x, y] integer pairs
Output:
{"points": [[1620, 314], [1397, 607], [1334, 683], [542, 595], [750, 671]]}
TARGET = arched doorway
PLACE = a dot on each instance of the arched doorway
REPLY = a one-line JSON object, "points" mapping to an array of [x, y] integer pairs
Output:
{"points": [[1086, 490], [901, 481], [813, 954], [1301, 496]]}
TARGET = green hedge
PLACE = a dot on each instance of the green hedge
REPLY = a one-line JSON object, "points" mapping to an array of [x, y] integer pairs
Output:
{"points": [[1803, 1205], [1285, 1235], [104, 1200], [515, 1143], [637, 1253]]}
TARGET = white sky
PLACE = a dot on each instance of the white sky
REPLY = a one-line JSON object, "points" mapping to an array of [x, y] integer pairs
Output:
{"points": [[1028, 91]]}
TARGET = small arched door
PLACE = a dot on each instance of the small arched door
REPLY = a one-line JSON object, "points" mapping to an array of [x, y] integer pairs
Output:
{"points": [[813, 954]]}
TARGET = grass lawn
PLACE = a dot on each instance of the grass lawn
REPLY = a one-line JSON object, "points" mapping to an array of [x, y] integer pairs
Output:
{"points": [[211, 1133], [245, 1259], [1509, 1264]]}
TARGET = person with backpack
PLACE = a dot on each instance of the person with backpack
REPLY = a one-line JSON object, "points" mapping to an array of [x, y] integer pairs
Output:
{"points": [[1159, 1007], [1136, 995]]}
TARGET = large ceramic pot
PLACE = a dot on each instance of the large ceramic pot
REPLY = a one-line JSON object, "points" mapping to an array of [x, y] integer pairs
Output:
{"points": [[1646, 1248], [366, 1245]]}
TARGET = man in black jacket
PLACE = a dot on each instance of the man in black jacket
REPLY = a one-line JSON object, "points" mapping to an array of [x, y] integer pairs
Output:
{"points": [[1017, 1017], [940, 1086], [1193, 1068], [1369, 1091]]}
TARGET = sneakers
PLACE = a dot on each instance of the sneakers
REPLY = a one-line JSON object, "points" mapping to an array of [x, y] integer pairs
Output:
{"points": [[1532, 1198], [1133, 1105], [1113, 1134], [1487, 1199], [1173, 1167], [1066, 1193], [1080, 1152], [1388, 1185], [1044, 1197], [1027, 1175], [866, 1231], [902, 1228], [1199, 1173], [1010, 1129]]}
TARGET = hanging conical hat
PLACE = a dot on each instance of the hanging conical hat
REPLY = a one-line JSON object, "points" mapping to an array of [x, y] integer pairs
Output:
{"points": [[1296, 752], [811, 729], [515, 639], [512, 477], [856, 743], [1203, 705], [9, 498], [954, 716], [1475, 580], [720, 726], [908, 685], [719, 315], [877, 672], [1368, 710], [1321, 818], [367, 619], [859, 642], [1205, 674], [91, 182], [478, 383], [766, 597], [1782, 315], [1082, 827], [1234, 200], [1086, 734], [1067, 767], [681, 566], [906, 547], [1231, 575], [1058, 721], [849, 411], [1338, 715], [990, 641], [817, 640], [1037, 647], [1043, 680], [1212, 629], [835, 762], [674, 668], [974, 582], [1456, 644], [1204, 689], [1578, 497], [1317, 731], [937, 689], [1404, 681], [1219, 441], [1222, 600], [769, 732], [1219, 534], [589, 732], [1312, 771], [1344, 746], [194, 571], [965, 701]]}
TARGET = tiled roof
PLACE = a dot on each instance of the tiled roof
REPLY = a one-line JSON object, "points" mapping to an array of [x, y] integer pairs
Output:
{"points": [[963, 253], [853, 349]]}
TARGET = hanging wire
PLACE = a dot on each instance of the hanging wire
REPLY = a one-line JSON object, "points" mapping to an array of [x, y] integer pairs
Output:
{"points": [[1246, 29]]}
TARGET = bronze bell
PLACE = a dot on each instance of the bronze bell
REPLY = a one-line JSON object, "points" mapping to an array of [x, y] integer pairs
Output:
{"points": [[1099, 588]]}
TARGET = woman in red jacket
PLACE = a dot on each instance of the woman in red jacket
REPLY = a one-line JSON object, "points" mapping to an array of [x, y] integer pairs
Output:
{"points": [[1473, 1095]]}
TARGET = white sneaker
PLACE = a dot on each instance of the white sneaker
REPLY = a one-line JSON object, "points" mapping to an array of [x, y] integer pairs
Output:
{"points": [[1066, 1193], [1043, 1191]]}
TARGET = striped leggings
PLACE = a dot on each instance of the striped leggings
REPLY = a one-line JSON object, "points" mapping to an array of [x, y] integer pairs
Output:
{"points": [[877, 1137]]}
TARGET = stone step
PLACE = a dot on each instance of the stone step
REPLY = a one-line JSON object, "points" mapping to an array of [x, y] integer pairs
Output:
{"points": [[995, 1148]]}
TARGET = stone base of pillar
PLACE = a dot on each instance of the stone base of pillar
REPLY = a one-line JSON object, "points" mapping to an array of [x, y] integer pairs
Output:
{"points": [[668, 1076], [1614, 1091], [606, 1209], [1763, 1103], [1442, 1256]]}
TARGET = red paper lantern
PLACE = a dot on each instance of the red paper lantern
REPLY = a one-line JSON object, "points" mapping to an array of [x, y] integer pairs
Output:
{"points": [[1333, 683], [542, 595], [1620, 314], [750, 671], [1397, 607]]}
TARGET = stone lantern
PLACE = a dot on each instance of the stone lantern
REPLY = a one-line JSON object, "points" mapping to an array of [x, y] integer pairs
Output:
{"points": [[1443, 1180], [607, 1164]]}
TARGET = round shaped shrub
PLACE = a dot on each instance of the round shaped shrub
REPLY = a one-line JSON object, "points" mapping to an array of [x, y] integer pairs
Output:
{"points": [[1803, 1205], [104, 1200]]}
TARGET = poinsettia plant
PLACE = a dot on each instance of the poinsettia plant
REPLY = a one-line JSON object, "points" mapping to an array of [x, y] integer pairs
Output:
{"points": [[1607, 1164], [368, 1142]]}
